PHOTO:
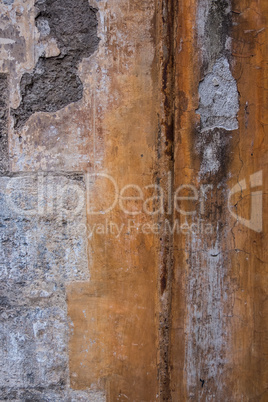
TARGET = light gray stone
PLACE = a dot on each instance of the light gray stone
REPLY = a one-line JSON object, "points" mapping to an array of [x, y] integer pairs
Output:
{"points": [[219, 102], [43, 246]]}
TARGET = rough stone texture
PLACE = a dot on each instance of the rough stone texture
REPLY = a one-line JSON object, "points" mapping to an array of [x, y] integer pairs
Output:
{"points": [[55, 82], [42, 248], [213, 23], [4, 110], [218, 98], [213, 147]]}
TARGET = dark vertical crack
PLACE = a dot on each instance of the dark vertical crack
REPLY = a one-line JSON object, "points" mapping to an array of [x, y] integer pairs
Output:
{"points": [[165, 153], [4, 109]]}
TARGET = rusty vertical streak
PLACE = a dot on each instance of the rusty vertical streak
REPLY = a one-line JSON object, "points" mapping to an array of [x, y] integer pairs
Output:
{"points": [[164, 177], [186, 80], [241, 367]]}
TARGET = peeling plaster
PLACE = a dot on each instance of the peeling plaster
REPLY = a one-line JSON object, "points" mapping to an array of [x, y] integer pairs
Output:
{"points": [[218, 93], [213, 21], [55, 82], [207, 284]]}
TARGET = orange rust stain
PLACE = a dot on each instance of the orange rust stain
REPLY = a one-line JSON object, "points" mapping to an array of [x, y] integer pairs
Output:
{"points": [[185, 171], [114, 341], [245, 370], [114, 344], [249, 321]]}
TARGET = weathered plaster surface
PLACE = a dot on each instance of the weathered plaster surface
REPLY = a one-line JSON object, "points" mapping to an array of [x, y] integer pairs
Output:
{"points": [[249, 261], [216, 329], [167, 93], [42, 249], [218, 98], [110, 318], [122, 294], [203, 138], [54, 82]]}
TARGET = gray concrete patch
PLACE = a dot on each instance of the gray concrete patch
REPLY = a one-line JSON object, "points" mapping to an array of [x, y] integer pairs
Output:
{"points": [[55, 82], [40, 251], [218, 106]]}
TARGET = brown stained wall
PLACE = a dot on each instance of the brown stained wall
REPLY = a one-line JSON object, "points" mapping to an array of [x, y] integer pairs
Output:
{"points": [[249, 261], [219, 287], [115, 316]]}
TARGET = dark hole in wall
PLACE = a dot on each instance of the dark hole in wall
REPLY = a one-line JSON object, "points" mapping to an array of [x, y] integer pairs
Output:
{"points": [[55, 82]]}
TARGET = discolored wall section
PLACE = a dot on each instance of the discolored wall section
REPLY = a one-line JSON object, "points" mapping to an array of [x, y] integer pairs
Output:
{"points": [[54, 83], [102, 303], [219, 283], [90, 301]]}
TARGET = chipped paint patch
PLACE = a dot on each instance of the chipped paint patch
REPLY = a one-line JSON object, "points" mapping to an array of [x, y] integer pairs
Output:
{"points": [[218, 93], [55, 82]]}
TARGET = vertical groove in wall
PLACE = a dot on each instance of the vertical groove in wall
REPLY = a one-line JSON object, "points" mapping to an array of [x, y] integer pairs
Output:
{"points": [[164, 177], [186, 79]]}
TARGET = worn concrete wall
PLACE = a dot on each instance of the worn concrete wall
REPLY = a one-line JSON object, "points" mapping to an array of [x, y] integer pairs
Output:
{"points": [[133, 222], [218, 319]]}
